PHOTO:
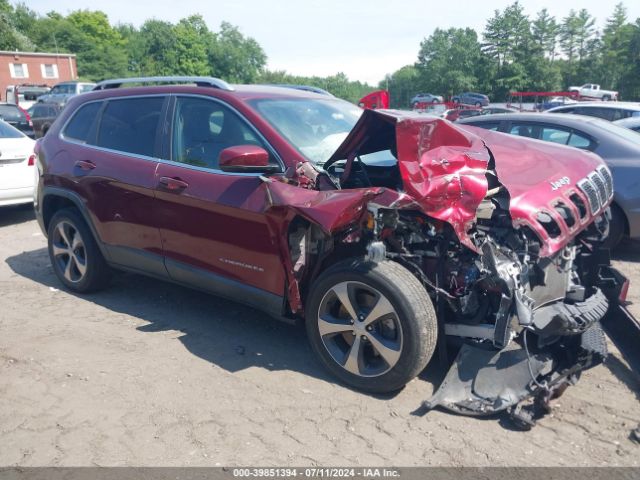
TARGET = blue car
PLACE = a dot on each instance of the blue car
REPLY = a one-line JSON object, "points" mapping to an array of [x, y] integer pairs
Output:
{"points": [[471, 98]]}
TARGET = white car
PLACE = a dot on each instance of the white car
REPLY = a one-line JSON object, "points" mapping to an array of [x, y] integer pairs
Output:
{"points": [[593, 90], [17, 166]]}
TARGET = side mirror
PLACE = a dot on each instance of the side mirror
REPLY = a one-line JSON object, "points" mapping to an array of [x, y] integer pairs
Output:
{"points": [[245, 159]]}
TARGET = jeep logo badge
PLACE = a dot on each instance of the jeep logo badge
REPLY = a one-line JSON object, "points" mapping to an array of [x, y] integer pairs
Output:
{"points": [[560, 182]]}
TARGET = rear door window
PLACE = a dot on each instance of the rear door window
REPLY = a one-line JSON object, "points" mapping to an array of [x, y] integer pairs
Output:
{"points": [[555, 135], [524, 130], [130, 125], [80, 126]]}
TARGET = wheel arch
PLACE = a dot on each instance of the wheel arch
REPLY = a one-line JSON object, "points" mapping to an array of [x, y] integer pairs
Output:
{"points": [[615, 205], [55, 199]]}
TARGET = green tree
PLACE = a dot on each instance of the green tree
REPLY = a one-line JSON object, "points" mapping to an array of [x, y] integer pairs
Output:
{"points": [[235, 57], [616, 43], [508, 42], [402, 85], [447, 61], [192, 39], [544, 34], [11, 37]]}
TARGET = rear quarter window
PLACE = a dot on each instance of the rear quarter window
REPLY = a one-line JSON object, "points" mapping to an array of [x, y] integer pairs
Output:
{"points": [[81, 123]]}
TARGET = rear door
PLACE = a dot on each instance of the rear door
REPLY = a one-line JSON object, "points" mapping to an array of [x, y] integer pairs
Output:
{"points": [[112, 149], [214, 233]]}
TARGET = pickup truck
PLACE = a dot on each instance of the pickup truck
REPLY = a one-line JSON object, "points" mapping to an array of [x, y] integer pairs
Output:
{"points": [[593, 90]]}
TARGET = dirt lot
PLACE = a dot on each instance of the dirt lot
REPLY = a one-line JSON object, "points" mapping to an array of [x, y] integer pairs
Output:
{"points": [[148, 373]]}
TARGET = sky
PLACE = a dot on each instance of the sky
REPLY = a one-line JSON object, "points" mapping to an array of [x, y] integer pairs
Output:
{"points": [[363, 39]]}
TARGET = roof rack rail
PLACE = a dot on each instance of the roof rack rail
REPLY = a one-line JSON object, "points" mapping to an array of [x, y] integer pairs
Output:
{"points": [[199, 81]]}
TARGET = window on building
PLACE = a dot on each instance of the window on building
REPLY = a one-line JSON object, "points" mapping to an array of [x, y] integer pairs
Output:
{"points": [[19, 70], [49, 70]]}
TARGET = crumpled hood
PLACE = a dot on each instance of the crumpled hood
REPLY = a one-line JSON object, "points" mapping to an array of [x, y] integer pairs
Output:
{"points": [[443, 167]]}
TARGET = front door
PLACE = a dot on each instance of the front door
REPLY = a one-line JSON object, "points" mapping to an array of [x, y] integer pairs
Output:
{"points": [[215, 235]]}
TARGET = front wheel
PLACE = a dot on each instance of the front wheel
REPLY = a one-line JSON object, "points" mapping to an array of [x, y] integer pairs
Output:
{"points": [[372, 324]]}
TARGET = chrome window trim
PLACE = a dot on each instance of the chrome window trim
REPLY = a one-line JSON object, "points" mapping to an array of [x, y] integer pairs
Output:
{"points": [[272, 150]]}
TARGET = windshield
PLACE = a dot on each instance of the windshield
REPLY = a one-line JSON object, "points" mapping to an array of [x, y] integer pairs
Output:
{"points": [[315, 127], [7, 131]]}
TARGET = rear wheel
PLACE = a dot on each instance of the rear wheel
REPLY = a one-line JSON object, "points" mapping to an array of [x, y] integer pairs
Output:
{"points": [[74, 254], [606, 98], [371, 324]]}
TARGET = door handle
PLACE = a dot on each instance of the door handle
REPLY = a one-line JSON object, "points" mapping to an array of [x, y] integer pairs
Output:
{"points": [[172, 184], [85, 165]]}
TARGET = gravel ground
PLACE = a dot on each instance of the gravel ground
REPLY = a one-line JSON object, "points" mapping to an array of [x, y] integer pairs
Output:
{"points": [[147, 373]]}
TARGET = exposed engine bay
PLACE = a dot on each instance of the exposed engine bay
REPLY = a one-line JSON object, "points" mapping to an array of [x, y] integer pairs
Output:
{"points": [[510, 258]]}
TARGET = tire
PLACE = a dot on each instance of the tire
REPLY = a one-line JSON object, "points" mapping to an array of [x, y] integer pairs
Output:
{"points": [[435, 100], [478, 104], [393, 346], [606, 98], [617, 227], [415, 105], [83, 268]]}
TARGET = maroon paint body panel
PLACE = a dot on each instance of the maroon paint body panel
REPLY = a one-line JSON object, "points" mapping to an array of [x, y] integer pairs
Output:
{"points": [[235, 225], [118, 191], [217, 223], [540, 176]]}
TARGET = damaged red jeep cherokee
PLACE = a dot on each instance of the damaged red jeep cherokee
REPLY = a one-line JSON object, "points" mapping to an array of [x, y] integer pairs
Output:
{"points": [[388, 232]]}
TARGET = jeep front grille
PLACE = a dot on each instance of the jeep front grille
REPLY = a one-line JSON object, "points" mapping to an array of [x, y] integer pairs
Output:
{"points": [[608, 180], [591, 193], [598, 181]]}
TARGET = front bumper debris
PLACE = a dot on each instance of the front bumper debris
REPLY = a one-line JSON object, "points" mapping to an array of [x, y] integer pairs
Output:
{"points": [[561, 318], [483, 381]]}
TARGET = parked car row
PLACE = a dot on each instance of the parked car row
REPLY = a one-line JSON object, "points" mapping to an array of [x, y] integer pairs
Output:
{"points": [[466, 98]]}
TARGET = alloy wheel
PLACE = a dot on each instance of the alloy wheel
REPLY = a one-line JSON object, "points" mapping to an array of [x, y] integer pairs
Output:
{"points": [[360, 329], [69, 252]]}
